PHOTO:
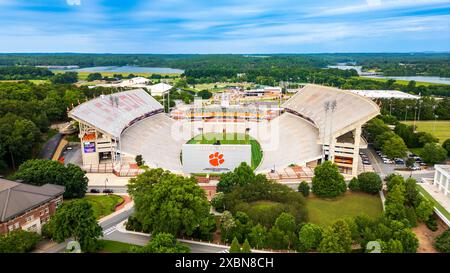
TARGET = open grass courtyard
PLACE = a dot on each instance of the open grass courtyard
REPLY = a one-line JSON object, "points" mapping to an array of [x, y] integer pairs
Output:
{"points": [[325, 211]]}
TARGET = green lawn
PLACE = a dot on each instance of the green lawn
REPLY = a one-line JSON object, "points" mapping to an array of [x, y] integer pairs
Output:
{"points": [[115, 247], [264, 205], [232, 138], [325, 211], [102, 204], [403, 82], [440, 129], [432, 200]]}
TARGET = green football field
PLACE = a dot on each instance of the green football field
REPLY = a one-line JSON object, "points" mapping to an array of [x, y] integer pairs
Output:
{"points": [[439, 129], [232, 138]]}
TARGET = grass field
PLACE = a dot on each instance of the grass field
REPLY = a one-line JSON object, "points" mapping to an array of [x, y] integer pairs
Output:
{"points": [[325, 211], [115, 247], [440, 129], [399, 81], [232, 138], [102, 204], [432, 200]]}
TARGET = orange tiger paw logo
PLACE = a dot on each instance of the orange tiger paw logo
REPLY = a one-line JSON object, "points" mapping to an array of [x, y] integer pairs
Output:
{"points": [[216, 159]]}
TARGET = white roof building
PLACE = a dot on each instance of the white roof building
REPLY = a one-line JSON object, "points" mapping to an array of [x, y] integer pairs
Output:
{"points": [[133, 82], [160, 89], [385, 94]]}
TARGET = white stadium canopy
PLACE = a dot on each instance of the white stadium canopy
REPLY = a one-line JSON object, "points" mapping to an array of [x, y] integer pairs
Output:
{"points": [[113, 113]]}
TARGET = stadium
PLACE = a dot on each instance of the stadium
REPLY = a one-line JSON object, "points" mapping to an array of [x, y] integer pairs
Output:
{"points": [[317, 123]]}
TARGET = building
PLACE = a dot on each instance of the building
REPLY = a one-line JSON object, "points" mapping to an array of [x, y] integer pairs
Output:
{"points": [[103, 119], [267, 91], [442, 179], [27, 207], [385, 94], [160, 89], [318, 123], [133, 82]]}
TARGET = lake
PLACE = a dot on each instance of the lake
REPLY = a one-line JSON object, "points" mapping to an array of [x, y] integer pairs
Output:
{"points": [[414, 78], [128, 69]]}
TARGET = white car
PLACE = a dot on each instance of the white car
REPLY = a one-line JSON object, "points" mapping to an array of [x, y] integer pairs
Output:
{"points": [[415, 168]]}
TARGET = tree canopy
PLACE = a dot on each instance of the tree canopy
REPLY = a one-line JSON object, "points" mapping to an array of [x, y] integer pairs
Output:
{"points": [[327, 181], [42, 171], [165, 202]]}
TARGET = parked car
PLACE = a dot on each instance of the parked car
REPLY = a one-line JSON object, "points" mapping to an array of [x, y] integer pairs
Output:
{"points": [[399, 161], [418, 159], [387, 161], [415, 167], [412, 155], [69, 148], [95, 191], [108, 191], [366, 162]]}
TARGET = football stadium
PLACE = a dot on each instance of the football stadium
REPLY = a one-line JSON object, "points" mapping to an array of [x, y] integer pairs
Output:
{"points": [[317, 123]]}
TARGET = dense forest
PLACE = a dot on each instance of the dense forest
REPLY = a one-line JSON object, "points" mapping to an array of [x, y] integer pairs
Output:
{"points": [[26, 112], [393, 64]]}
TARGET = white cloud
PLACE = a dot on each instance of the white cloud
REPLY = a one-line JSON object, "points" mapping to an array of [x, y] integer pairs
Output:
{"points": [[73, 2]]}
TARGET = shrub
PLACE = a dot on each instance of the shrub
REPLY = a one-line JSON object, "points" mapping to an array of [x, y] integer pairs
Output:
{"points": [[369, 182], [432, 223], [18, 241], [304, 188], [442, 243], [235, 247], [310, 236], [354, 184]]}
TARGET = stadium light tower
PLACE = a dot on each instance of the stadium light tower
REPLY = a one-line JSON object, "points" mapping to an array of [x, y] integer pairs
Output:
{"points": [[333, 106], [326, 107]]}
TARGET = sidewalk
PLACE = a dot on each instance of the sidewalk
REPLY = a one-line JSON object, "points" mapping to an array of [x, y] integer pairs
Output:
{"points": [[98, 180]]}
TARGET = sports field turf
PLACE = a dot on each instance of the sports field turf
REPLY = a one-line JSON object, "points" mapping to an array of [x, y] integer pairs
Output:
{"points": [[232, 138], [440, 129], [325, 211]]}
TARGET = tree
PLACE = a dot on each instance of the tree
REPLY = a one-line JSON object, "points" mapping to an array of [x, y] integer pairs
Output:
{"points": [[411, 192], [442, 243], [18, 137], [246, 247], [409, 163], [336, 238], [94, 77], [257, 236], [432, 153], [369, 182], [310, 236], [217, 201], [393, 246], [394, 147], [395, 203], [42, 171], [76, 220], [327, 181], [241, 175], [65, 78], [163, 243], [424, 210], [139, 160], [204, 94], [18, 241], [392, 180], [446, 145], [304, 188], [235, 247], [165, 202], [353, 185]]}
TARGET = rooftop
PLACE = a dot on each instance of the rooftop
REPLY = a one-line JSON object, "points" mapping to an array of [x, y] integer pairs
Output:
{"points": [[17, 198], [385, 94], [112, 113]]}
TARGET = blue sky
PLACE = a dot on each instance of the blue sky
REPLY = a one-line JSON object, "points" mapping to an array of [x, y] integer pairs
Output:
{"points": [[218, 26]]}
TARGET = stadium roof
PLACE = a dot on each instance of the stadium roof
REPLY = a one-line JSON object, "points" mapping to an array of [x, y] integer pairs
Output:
{"points": [[112, 113], [385, 94], [160, 88], [351, 109], [17, 198]]}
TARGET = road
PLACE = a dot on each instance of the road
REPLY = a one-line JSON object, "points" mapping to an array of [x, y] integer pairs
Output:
{"points": [[110, 232]]}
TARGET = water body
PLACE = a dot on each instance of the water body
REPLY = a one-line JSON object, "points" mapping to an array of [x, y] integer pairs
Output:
{"points": [[414, 78], [128, 69]]}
